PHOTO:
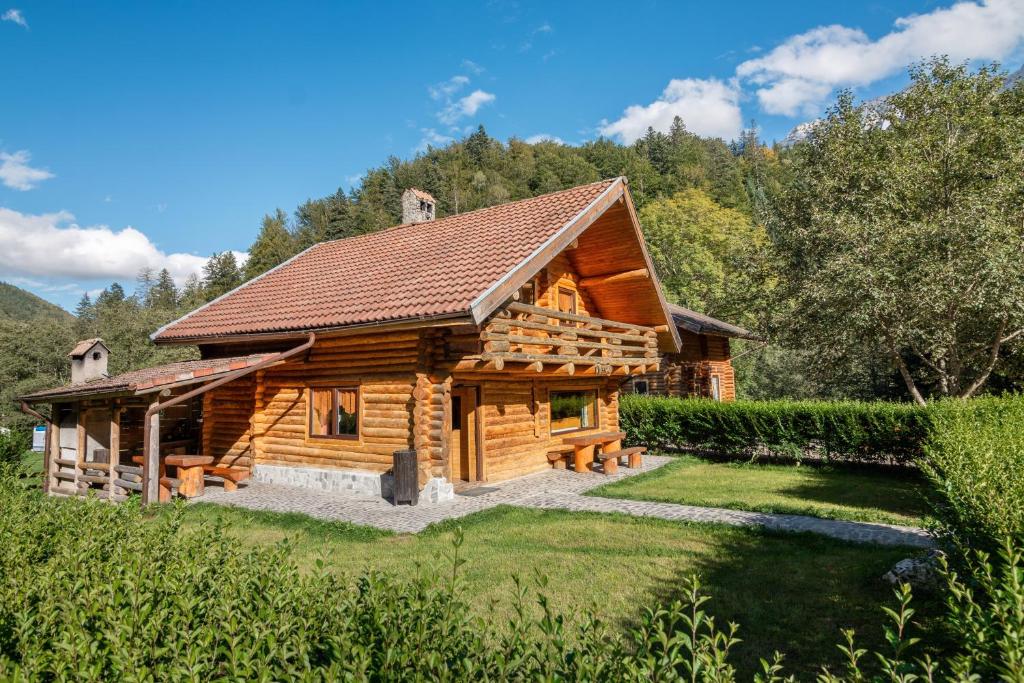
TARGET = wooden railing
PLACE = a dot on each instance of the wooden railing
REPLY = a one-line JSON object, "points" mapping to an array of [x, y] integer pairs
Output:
{"points": [[546, 339]]}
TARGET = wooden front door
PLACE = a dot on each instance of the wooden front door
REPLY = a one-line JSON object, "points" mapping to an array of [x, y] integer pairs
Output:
{"points": [[463, 439]]}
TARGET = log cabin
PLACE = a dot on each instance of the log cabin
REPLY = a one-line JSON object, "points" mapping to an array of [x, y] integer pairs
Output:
{"points": [[478, 341], [702, 368]]}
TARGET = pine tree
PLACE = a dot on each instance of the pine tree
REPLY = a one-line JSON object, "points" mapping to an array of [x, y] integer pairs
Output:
{"points": [[162, 295], [274, 245], [220, 275]]}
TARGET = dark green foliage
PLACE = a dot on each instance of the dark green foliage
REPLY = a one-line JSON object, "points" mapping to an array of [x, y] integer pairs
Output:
{"points": [[221, 274], [17, 304], [92, 591], [13, 445], [838, 430], [975, 457]]}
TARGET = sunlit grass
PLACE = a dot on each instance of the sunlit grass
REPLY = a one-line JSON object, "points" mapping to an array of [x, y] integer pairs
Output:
{"points": [[856, 494], [789, 592]]}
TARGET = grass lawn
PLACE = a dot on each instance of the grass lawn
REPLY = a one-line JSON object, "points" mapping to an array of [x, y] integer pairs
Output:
{"points": [[857, 494], [788, 592]]}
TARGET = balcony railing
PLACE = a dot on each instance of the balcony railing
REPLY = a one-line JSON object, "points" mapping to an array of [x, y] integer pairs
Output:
{"points": [[543, 339]]}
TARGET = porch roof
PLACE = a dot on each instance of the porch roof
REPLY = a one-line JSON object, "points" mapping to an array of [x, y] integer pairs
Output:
{"points": [[148, 380]]}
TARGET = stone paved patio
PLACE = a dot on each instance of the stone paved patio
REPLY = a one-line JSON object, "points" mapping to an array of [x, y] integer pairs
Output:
{"points": [[549, 490]]}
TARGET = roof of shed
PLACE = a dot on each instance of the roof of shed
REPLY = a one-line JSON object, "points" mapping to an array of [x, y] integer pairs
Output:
{"points": [[82, 347], [698, 323], [413, 271], [151, 379]]}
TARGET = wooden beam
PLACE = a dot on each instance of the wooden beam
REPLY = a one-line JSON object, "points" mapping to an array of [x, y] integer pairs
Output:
{"points": [[616, 278], [151, 462], [115, 446], [481, 471]]}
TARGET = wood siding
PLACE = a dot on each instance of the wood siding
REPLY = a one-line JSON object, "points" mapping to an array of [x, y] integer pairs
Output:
{"points": [[688, 374]]}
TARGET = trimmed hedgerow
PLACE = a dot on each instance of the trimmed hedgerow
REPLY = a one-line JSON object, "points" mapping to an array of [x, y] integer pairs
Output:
{"points": [[837, 430], [975, 459]]}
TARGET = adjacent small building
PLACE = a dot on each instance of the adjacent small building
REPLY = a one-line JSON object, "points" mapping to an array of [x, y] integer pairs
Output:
{"points": [[702, 368]]}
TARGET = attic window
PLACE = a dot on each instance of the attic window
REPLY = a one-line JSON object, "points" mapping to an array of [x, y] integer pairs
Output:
{"points": [[96, 355], [528, 294]]}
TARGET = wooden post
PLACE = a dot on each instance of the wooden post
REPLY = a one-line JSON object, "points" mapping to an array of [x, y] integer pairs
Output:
{"points": [[151, 460], [481, 472], [115, 449], [53, 445], [48, 457], [80, 444]]}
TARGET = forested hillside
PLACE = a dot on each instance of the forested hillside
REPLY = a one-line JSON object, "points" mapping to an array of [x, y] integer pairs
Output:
{"points": [[17, 304], [808, 244]]}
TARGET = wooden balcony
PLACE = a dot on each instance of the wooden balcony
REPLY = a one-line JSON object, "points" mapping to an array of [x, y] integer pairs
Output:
{"points": [[540, 339]]}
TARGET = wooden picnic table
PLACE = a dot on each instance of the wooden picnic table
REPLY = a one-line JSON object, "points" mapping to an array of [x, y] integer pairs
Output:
{"points": [[189, 471], [585, 445]]}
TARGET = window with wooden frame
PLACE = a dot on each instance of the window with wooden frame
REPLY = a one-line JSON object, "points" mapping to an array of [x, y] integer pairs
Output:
{"points": [[334, 412], [566, 300], [528, 293], [573, 410], [716, 387]]}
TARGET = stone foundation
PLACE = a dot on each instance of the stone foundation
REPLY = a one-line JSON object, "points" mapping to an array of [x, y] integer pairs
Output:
{"points": [[339, 481], [358, 482]]}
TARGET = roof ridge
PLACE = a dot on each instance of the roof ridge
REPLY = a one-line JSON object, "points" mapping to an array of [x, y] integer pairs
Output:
{"points": [[475, 211]]}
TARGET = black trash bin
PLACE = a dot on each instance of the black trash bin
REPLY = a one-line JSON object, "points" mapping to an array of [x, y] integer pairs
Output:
{"points": [[407, 485]]}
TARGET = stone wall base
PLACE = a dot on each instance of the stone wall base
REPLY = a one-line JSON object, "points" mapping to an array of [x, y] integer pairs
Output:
{"points": [[342, 481], [359, 482]]}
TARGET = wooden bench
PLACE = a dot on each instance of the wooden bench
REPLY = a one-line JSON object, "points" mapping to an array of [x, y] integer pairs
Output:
{"points": [[230, 476], [610, 461], [559, 456]]}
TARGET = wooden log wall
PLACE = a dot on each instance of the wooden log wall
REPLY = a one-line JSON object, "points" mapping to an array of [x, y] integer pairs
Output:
{"points": [[517, 422], [388, 368], [688, 374], [227, 432]]}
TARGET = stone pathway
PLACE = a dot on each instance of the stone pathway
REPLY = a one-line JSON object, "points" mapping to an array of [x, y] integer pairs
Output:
{"points": [[549, 490]]}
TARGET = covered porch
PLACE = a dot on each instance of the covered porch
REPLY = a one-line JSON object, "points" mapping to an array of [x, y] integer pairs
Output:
{"points": [[143, 432]]}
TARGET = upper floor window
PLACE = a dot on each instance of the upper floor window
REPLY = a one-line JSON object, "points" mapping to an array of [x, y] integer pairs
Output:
{"points": [[566, 300], [528, 293], [334, 412]]}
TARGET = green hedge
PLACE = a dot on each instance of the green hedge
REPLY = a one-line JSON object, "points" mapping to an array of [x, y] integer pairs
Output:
{"points": [[975, 458], [838, 430]]}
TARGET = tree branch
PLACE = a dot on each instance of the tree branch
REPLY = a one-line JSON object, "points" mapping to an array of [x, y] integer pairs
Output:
{"points": [[993, 358]]}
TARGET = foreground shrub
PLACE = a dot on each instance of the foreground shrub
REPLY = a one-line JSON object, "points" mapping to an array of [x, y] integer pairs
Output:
{"points": [[838, 430], [14, 442], [975, 458], [95, 592]]}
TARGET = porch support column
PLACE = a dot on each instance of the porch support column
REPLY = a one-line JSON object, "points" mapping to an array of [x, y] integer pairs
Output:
{"points": [[80, 444], [151, 459], [115, 449]]}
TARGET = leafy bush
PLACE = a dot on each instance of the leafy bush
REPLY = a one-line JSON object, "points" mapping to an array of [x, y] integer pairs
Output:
{"points": [[975, 457], [839, 430], [14, 442], [93, 591]]}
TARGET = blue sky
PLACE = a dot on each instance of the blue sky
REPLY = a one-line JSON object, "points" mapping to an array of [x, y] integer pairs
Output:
{"points": [[146, 134]]}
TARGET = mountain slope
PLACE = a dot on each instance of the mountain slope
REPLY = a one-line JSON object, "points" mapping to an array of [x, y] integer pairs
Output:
{"points": [[17, 304]]}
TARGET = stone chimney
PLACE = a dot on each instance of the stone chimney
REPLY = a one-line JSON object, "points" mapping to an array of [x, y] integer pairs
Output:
{"points": [[417, 206], [88, 360]]}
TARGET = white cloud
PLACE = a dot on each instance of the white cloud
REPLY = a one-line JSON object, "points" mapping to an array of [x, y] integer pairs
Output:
{"points": [[445, 90], [708, 107], [465, 106], [53, 246], [431, 138], [16, 16], [544, 137], [544, 28], [797, 75], [472, 67], [16, 174]]}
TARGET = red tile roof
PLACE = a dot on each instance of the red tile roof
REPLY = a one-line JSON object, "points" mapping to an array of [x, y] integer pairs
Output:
{"points": [[406, 272], [152, 378]]}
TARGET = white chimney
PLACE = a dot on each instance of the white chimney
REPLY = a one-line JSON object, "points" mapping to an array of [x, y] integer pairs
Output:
{"points": [[88, 360], [417, 206]]}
